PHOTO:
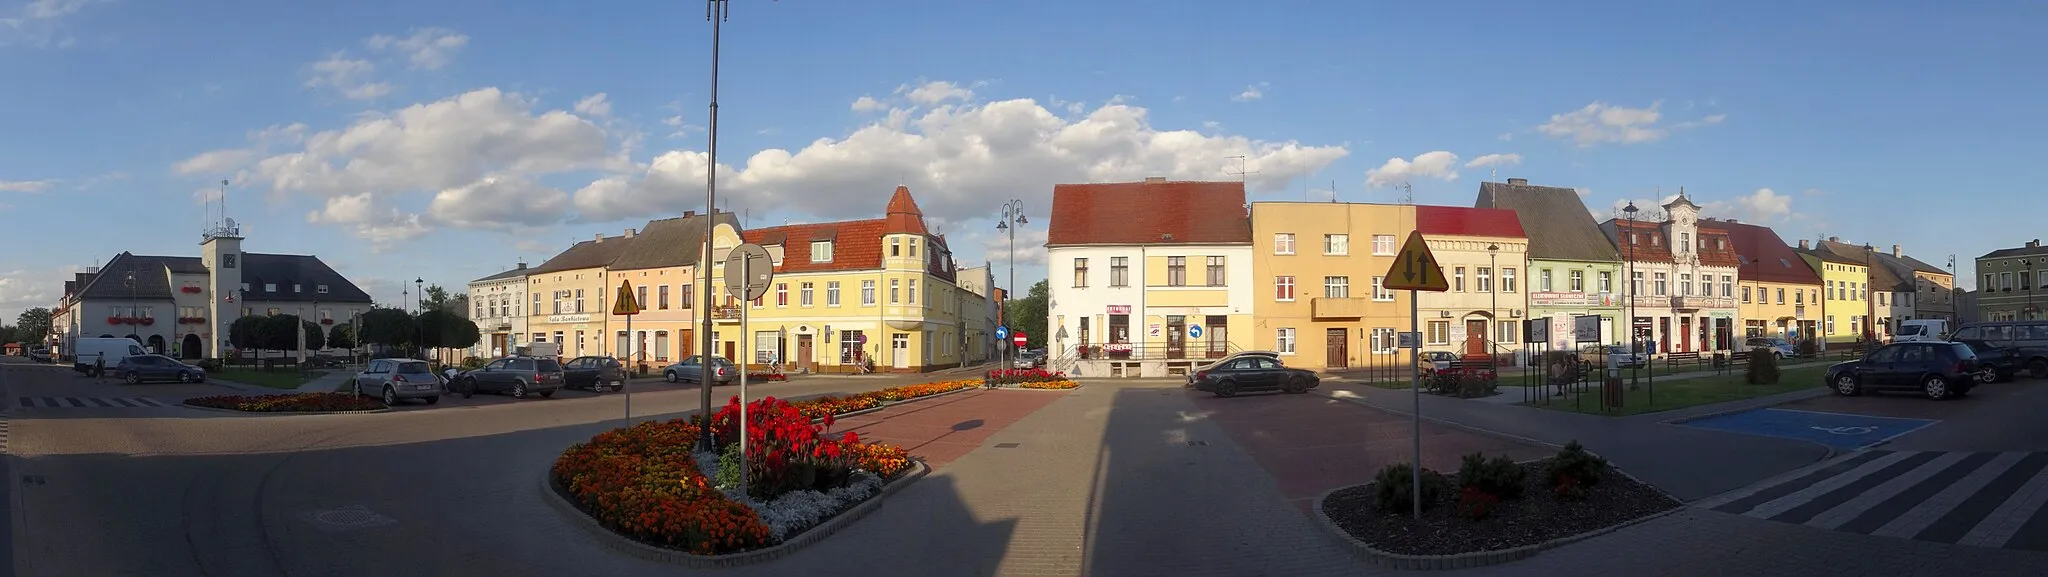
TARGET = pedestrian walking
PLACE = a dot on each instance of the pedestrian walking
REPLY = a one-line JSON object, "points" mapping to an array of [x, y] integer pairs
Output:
{"points": [[99, 366]]}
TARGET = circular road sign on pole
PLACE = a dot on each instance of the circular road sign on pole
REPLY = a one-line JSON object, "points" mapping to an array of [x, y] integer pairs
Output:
{"points": [[750, 281]]}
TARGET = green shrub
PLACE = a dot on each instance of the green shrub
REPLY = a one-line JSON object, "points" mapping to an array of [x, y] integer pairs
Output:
{"points": [[1575, 463], [1763, 367], [210, 365], [1500, 476], [1395, 485], [728, 467], [472, 363], [1475, 504], [1807, 348]]}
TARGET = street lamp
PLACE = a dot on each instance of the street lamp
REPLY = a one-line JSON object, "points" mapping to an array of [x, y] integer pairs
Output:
{"points": [[1869, 304], [1629, 244], [715, 11], [134, 306], [1493, 310], [419, 296], [1012, 211], [2027, 287]]}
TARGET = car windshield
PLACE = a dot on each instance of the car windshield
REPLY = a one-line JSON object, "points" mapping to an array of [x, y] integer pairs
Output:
{"points": [[1963, 351], [547, 365], [1912, 330], [412, 367]]}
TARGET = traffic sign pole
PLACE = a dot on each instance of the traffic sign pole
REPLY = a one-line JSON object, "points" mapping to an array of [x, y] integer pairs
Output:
{"points": [[626, 305], [748, 344], [1415, 270], [1415, 396]]}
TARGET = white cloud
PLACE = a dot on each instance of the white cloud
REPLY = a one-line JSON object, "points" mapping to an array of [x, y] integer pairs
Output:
{"points": [[216, 161], [1646, 209], [935, 93], [868, 104], [1030, 247], [1506, 136], [39, 24], [30, 186], [348, 76], [1495, 160], [505, 203], [954, 158], [595, 106], [1251, 92], [22, 289], [1438, 164], [384, 227], [1601, 122], [682, 127], [426, 48], [1761, 207]]}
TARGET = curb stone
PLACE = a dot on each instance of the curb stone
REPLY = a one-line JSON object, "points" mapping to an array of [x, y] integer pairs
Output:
{"points": [[1401, 561], [221, 410], [892, 404], [626, 545]]}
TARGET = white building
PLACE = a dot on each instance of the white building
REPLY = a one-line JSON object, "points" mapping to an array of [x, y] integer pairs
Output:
{"points": [[182, 306], [1484, 254], [1148, 278], [498, 309], [1681, 279]]}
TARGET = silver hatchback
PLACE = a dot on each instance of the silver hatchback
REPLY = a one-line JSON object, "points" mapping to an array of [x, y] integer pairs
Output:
{"points": [[395, 380]]}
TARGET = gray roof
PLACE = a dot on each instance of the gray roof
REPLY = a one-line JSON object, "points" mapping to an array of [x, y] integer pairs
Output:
{"points": [[587, 254], [307, 271], [1889, 272], [1829, 256], [1557, 222], [152, 279], [2017, 251], [516, 272], [670, 242]]}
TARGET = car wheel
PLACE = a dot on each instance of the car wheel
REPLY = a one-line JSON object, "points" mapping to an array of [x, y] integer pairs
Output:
{"points": [[2039, 368], [1226, 389], [1297, 385], [1846, 386], [432, 400], [1936, 388], [468, 388], [547, 394], [1988, 375], [669, 376], [185, 377], [134, 378], [519, 389], [390, 396]]}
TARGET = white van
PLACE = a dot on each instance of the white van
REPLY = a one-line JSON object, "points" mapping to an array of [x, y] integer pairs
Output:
{"points": [[89, 350], [1922, 330]]}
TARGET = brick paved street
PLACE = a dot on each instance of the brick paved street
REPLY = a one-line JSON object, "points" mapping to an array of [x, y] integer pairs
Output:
{"points": [[941, 430]]}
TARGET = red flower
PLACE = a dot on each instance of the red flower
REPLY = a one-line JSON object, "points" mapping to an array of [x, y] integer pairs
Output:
{"points": [[115, 320]]}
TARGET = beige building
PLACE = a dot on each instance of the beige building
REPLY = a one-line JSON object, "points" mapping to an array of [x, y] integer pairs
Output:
{"points": [[661, 263], [1319, 268], [1484, 255], [569, 295]]}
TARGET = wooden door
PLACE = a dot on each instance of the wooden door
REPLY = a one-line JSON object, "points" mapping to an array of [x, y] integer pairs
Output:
{"points": [[804, 354], [730, 348], [1337, 353], [1176, 337], [1475, 337]]}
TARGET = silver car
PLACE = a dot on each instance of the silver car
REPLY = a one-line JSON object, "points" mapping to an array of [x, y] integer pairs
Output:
{"points": [[692, 370], [395, 380]]}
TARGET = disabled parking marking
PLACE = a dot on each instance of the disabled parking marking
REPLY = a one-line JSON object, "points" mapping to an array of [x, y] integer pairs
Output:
{"points": [[1841, 431]]}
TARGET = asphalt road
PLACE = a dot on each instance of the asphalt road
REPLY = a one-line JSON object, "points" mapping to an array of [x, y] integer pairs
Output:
{"points": [[452, 489]]}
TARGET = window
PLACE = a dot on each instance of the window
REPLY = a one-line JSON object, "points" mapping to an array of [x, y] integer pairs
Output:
{"points": [[1727, 285], [1578, 281], [641, 298], [895, 291], [1383, 244], [1119, 271], [1880, 299], [1283, 243], [1216, 277], [1283, 288], [782, 294], [913, 292], [2026, 280], [867, 293], [1439, 332], [685, 296], [1507, 280], [1684, 242], [1458, 279], [320, 289], [821, 251], [1485, 279], [1637, 282], [1781, 296], [1337, 244], [1080, 273], [1986, 286], [1337, 287], [1283, 341], [662, 293], [295, 286], [1176, 271], [895, 247], [1656, 240], [1543, 281], [1383, 340], [1379, 290], [913, 248], [579, 300], [1606, 282], [1685, 284], [1662, 288], [536, 301], [1745, 295], [1506, 331], [272, 287], [804, 292]]}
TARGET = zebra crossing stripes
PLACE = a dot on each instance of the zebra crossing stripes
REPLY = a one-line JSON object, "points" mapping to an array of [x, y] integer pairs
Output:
{"points": [[89, 403], [1964, 498]]}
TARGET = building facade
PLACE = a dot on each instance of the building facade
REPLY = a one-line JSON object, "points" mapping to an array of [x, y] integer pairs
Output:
{"points": [[661, 264], [1776, 284], [1320, 270], [978, 292], [1484, 254], [2008, 281], [568, 296], [1152, 277], [1893, 287], [1574, 268], [1844, 285], [1681, 279], [499, 311]]}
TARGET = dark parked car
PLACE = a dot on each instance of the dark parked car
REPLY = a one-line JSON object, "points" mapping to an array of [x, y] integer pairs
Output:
{"points": [[516, 376], [1996, 363], [1938, 369], [139, 368], [595, 373], [1231, 357], [1254, 373], [723, 372]]}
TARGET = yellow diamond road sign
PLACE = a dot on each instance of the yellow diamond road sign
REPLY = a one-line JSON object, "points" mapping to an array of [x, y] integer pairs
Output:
{"points": [[1415, 269], [626, 305]]}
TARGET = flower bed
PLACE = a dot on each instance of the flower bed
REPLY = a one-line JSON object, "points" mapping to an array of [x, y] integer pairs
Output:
{"points": [[1053, 385], [767, 377], [288, 403], [827, 406], [1021, 376], [1492, 504]]}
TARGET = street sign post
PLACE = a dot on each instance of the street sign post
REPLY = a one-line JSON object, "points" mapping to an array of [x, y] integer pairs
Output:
{"points": [[1019, 339], [1002, 333], [626, 305], [748, 272], [1415, 270]]}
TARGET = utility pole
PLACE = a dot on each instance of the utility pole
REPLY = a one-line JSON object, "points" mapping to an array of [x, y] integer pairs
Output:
{"points": [[716, 12]]}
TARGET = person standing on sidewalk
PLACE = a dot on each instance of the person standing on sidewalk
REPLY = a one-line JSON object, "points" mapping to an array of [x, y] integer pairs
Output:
{"points": [[99, 366]]}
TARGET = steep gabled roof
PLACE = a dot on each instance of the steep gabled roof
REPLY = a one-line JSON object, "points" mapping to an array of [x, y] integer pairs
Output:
{"points": [[1649, 246], [670, 242], [592, 253], [1888, 271], [152, 279], [1462, 221], [856, 244], [1763, 256], [1556, 220], [902, 215], [306, 271], [1150, 212]]}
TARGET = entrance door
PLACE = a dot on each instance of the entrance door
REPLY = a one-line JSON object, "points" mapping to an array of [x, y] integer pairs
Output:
{"points": [[1176, 337], [1218, 333], [730, 348], [899, 350], [1336, 347], [805, 357], [1475, 337], [191, 347], [1684, 334]]}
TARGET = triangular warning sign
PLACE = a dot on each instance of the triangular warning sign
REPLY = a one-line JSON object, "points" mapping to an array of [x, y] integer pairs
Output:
{"points": [[1415, 269], [626, 305]]}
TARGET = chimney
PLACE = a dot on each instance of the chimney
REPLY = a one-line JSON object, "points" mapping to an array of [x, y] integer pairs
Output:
{"points": [[1834, 239], [2036, 243], [689, 213], [629, 233], [1155, 180], [522, 265], [1802, 244], [600, 237], [1895, 252], [1518, 182]]}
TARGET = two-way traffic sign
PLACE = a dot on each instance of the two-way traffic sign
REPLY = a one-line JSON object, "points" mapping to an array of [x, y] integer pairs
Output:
{"points": [[1415, 269], [625, 304]]}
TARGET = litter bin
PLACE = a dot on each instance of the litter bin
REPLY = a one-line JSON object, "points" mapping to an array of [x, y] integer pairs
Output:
{"points": [[1611, 391]]}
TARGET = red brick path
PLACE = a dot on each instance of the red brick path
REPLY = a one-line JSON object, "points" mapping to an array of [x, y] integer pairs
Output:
{"points": [[1311, 444], [941, 430]]}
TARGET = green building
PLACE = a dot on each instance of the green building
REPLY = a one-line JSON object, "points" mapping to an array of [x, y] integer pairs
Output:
{"points": [[1573, 269]]}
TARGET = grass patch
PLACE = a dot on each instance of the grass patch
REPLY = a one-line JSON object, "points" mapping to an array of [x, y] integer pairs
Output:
{"points": [[1682, 393], [279, 379]]}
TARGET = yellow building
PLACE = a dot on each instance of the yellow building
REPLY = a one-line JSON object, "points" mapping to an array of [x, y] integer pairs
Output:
{"points": [[1780, 291], [1845, 284], [661, 263], [1319, 267], [569, 295], [878, 291]]}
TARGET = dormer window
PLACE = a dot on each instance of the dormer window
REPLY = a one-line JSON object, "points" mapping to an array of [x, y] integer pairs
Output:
{"points": [[1654, 240], [821, 251], [1685, 240], [270, 287], [322, 289], [295, 288]]}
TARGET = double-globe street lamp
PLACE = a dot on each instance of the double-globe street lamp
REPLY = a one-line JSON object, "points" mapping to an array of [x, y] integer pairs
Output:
{"points": [[1011, 211]]}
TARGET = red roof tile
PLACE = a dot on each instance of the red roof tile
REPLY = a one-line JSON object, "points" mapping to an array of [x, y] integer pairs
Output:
{"points": [[856, 244], [902, 216], [1643, 250], [1151, 212], [1714, 253], [1769, 259], [1463, 221]]}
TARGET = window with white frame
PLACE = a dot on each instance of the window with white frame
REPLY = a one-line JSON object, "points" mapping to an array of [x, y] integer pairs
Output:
{"points": [[805, 292], [1383, 340], [1215, 270], [1379, 290], [1485, 279], [1578, 280], [1636, 283], [832, 293], [1662, 285], [1336, 244], [1507, 280], [867, 293], [1283, 243], [1283, 288], [1283, 341], [1745, 295], [1119, 271], [1080, 273], [1383, 244], [895, 291], [913, 292], [1685, 284], [821, 251], [1458, 279], [1543, 281], [781, 294], [1507, 331], [1337, 287], [1727, 285], [1439, 332]]}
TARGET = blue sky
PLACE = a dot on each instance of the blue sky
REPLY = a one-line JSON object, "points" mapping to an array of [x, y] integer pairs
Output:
{"points": [[446, 140]]}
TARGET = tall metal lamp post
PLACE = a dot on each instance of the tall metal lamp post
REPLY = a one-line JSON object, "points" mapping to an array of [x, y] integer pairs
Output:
{"points": [[1628, 240], [1012, 211], [1869, 304], [134, 305], [716, 12], [419, 296], [1493, 290]]}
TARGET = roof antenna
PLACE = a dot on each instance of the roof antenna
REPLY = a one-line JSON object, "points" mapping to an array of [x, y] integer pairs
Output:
{"points": [[1333, 190], [1241, 172]]}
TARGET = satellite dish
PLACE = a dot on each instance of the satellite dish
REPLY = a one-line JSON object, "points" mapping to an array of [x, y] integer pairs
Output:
{"points": [[231, 223]]}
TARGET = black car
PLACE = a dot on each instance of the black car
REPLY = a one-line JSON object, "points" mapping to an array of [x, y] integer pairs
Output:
{"points": [[515, 376], [1254, 373], [594, 373], [1938, 369], [1996, 363]]}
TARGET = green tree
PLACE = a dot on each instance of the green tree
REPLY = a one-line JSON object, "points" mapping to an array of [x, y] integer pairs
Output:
{"points": [[11, 335], [342, 337], [32, 325], [447, 329], [389, 327], [279, 333], [248, 333], [1028, 314]]}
